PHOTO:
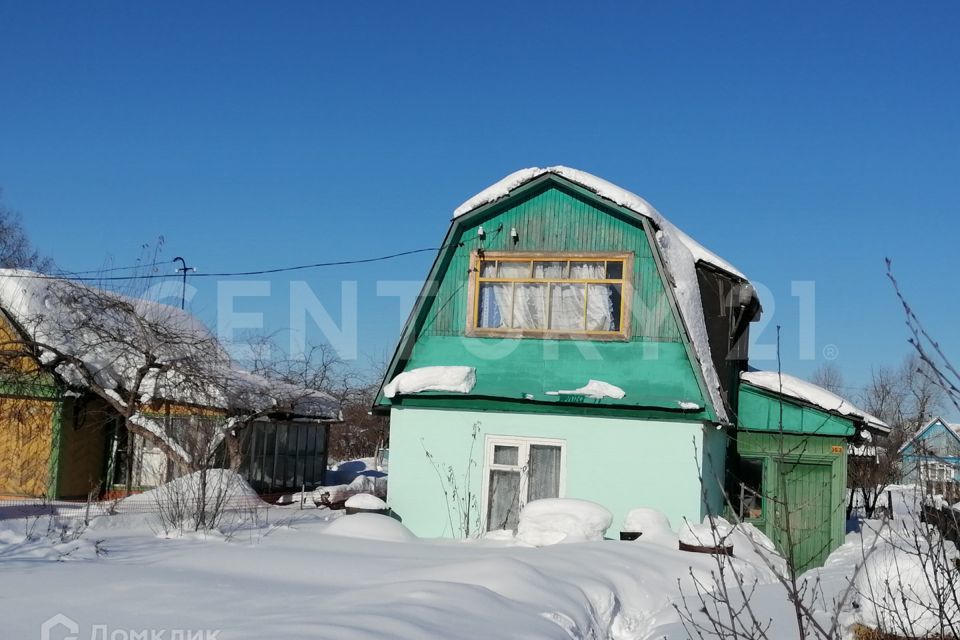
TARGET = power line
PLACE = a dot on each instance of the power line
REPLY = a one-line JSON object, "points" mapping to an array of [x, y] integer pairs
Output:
{"points": [[228, 274], [68, 274]]}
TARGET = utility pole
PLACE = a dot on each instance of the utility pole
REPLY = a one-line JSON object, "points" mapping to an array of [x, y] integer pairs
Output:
{"points": [[184, 269]]}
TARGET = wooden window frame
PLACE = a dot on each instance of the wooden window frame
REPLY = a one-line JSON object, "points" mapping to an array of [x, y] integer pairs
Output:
{"points": [[523, 456], [625, 282]]}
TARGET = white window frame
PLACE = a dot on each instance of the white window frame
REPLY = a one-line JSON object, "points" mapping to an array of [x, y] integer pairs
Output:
{"points": [[935, 471], [523, 459]]}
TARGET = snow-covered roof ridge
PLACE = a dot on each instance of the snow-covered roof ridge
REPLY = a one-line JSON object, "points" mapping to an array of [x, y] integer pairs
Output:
{"points": [[606, 190], [954, 427], [680, 253], [810, 393]]}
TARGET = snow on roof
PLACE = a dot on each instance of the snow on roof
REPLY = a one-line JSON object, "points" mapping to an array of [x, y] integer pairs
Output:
{"points": [[76, 320], [680, 253], [954, 427], [810, 393], [606, 190]]}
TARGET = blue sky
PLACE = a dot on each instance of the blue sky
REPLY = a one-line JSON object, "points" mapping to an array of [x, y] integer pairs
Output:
{"points": [[802, 142]]}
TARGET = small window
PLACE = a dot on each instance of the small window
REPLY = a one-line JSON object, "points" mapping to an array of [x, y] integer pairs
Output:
{"points": [[550, 295], [517, 471], [937, 472]]}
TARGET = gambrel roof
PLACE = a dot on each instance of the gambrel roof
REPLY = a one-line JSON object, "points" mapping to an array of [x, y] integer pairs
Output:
{"points": [[679, 254]]}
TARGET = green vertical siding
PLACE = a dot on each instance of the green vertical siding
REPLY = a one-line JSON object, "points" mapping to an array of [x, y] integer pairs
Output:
{"points": [[555, 220], [804, 478], [761, 410]]}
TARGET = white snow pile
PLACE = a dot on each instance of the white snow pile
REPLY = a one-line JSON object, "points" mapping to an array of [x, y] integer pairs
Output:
{"points": [[366, 578], [749, 543], [906, 573], [45, 538], [810, 393], [221, 487], [562, 520], [439, 378], [899, 592], [706, 533], [348, 479], [594, 389], [679, 251], [370, 526], [653, 525], [365, 501]]}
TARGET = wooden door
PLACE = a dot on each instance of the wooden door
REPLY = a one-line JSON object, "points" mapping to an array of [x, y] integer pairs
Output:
{"points": [[803, 512]]}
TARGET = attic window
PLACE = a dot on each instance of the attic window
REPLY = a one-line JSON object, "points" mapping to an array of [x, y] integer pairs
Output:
{"points": [[551, 295]]}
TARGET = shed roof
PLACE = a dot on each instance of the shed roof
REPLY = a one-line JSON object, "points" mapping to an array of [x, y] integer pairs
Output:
{"points": [[813, 395], [58, 313]]}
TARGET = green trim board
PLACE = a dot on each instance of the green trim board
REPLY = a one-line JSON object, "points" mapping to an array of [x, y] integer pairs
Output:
{"points": [[47, 389], [553, 214], [56, 451], [570, 408], [760, 410]]}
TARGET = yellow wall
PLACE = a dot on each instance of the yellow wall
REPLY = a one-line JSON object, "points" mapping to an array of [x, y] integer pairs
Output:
{"points": [[13, 356], [25, 438]]}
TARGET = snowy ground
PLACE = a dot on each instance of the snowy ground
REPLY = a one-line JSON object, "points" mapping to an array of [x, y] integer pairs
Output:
{"points": [[285, 573]]}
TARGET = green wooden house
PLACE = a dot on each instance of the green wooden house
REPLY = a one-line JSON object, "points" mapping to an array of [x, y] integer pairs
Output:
{"points": [[569, 341]]}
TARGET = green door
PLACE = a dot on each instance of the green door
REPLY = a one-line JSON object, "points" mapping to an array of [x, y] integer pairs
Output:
{"points": [[804, 510]]}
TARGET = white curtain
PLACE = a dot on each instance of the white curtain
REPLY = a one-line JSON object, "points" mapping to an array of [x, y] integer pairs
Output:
{"points": [[524, 305], [567, 302], [544, 475]]}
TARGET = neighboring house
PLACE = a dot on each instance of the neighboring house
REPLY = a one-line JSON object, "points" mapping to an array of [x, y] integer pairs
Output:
{"points": [[570, 341], [932, 454], [62, 434]]}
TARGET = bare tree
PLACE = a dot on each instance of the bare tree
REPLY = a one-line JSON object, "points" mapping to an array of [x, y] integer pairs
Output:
{"points": [[940, 371], [906, 399], [132, 353], [828, 376], [321, 368], [16, 250]]}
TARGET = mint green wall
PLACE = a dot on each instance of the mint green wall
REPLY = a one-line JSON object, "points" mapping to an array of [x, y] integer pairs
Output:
{"points": [[619, 463]]}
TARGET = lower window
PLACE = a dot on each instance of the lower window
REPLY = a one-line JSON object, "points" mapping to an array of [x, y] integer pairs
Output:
{"points": [[516, 471], [937, 472]]}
